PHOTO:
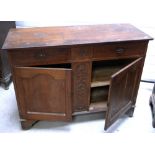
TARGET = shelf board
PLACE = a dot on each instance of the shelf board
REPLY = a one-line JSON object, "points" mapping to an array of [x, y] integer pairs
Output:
{"points": [[98, 106], [100, 83], [94, 107]]}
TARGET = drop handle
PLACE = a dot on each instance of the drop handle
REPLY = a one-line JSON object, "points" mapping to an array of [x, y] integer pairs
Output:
{"points": [[120, 50]]}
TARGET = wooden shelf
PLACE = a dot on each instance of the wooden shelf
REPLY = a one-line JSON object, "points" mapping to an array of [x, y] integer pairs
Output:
{"points": [[101, 73], [98, 106], [100, 83], [94, 107], [99, 94]]}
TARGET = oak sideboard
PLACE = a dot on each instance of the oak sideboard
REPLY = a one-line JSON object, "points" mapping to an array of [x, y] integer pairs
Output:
{"points": [[60, 72]]}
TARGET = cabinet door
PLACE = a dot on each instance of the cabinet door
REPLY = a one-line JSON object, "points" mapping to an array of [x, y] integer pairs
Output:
{"points": [[43, 93], [121, 91]]}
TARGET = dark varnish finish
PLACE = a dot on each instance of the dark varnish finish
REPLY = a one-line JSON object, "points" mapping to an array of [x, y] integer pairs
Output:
{"points": [[60, 72], [121, 101]]}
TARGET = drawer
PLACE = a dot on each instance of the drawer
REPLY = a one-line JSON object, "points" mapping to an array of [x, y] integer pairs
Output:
{"points": [[119, 50], [40, 56], [81, 53]]}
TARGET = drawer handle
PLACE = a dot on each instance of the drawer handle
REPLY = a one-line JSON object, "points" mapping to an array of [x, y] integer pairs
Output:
{"points": [[41, 55], [120, 50]]}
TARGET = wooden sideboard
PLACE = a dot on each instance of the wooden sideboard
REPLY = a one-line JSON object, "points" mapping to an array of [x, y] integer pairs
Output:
{"points": [[5, 72], [60, 72]]}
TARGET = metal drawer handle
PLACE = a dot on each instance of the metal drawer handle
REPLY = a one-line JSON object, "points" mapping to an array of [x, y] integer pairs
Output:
{"points": [[120, 50]]}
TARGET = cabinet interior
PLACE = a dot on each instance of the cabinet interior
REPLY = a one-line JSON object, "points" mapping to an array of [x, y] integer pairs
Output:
{"points": [[65, 66], [100, 81]]}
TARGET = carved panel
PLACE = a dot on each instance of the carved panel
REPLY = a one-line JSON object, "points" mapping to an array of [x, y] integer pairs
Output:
{"points": [[44, 93], [81, 85], [81, 53]]}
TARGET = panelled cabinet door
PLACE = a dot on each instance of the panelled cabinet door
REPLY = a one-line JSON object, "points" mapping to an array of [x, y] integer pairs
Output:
{"points": [[43, 93], [121, 91]]}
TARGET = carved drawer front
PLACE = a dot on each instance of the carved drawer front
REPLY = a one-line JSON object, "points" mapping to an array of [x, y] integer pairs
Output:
{"points": [[40, 56], [81, 53], [119, 50]]}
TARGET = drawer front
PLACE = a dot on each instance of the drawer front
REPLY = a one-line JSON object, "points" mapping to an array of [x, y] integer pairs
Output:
{"points": [[40, 56], [119, 50], [81, 53]]}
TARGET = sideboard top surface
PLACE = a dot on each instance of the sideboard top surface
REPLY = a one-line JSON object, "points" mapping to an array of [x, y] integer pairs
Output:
{"points": [[72, 35]]}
